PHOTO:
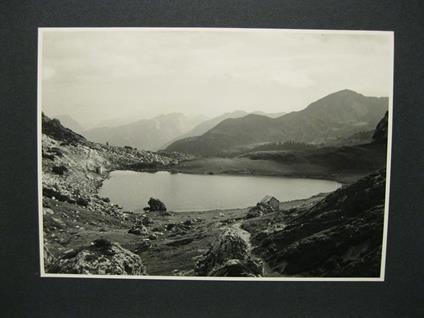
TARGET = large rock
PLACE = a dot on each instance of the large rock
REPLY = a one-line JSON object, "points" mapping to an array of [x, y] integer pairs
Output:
{"points": [[59, 170], [238, 268], [102, 257], [267, 205], [270, 202], [156, 205], [228, 256]]}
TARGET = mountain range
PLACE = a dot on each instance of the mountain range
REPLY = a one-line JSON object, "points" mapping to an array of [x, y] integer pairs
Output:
{"points": [[203, 127], [147, 134], [153, 134], [338, 115]]}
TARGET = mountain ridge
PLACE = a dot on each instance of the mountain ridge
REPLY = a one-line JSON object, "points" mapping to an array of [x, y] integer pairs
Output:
{"points": [[203, 127], [339, 114], [147, 134]]}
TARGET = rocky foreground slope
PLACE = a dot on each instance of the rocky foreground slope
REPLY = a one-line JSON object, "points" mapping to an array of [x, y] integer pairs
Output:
{"points": [[340, 236], [73, 169]]}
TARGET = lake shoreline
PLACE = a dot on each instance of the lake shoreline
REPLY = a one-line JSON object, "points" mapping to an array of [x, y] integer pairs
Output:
{"points": [[343, 179], [185, 192]]}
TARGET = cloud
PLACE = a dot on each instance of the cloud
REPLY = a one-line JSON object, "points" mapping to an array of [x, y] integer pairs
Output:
{"points": [[96, 75]]}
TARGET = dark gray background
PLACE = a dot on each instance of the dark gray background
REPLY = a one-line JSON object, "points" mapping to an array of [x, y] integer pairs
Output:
{"points": [[25, 294]]}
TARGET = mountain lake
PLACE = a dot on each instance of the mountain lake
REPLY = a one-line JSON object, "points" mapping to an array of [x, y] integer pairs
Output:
{"points": [[191, 192]]}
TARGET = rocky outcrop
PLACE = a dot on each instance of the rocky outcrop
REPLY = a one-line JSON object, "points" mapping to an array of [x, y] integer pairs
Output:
{"points": [[156, 205], [229, 256], [267, 205], [54, 129], [73, 169], [60, 170], [48, 258], [380, 134], [341, 236], [102, 257]]}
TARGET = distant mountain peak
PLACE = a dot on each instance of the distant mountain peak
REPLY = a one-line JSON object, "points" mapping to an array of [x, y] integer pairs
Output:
{"points": [[346, 91], [337, 115]]}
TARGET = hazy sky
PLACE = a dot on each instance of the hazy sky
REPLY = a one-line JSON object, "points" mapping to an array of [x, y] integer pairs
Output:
{"points": [[105, 74]]}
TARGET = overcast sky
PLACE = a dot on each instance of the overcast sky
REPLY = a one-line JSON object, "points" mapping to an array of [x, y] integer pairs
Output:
{"points": [[100, 75]]}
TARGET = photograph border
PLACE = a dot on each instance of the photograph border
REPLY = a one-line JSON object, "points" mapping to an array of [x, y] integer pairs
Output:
{"points": [[43, 274]]}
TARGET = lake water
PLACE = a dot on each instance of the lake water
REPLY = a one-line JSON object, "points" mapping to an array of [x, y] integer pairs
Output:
{"points": [[190, 192]]}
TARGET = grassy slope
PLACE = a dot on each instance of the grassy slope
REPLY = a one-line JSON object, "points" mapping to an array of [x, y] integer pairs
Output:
{"points": [[345, 164]]}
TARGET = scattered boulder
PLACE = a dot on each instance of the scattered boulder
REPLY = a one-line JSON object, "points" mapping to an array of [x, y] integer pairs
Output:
{"points": [[145, 245], [102, 257], [56, 151], [147, 220], [138, 230], [56, 194], [189, 222], [153, 236], [100, 170], [47, 211], [59, 170], [254, 212], [270, 202], [47, 156], [156, 205], [258, 210], [48, 257], [229, 255], [178, 228], [238, 268], [107, 200], [83, 201]]}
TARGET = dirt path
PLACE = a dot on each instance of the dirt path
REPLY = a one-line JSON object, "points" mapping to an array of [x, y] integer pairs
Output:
{"points": [[245, 235]]}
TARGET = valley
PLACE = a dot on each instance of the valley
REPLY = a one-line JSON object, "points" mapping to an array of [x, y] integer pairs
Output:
{"points": [[336, 234]]}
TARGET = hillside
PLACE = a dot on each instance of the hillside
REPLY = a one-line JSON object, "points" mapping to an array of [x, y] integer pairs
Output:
{"points": [[73, 169], [335, 116], [340, 236], [71, 123], [148, 134], [211, 123]]}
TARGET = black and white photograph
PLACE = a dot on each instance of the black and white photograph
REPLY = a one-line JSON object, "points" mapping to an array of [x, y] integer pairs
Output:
{"points": [[214, 153]]}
